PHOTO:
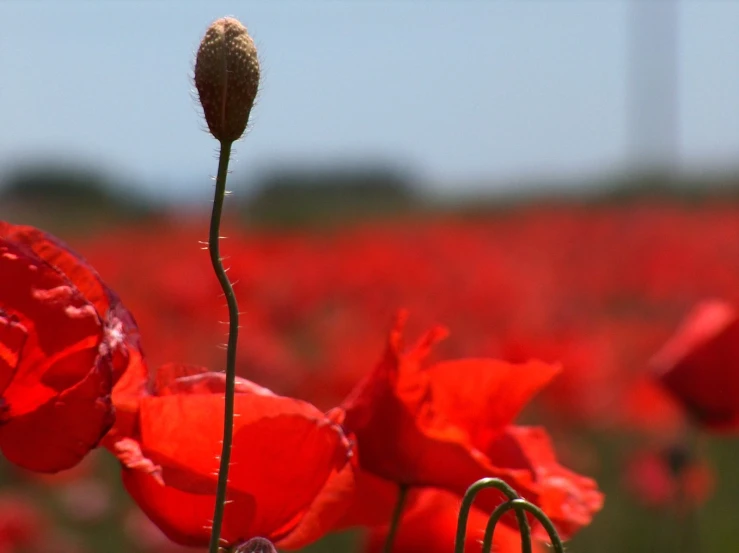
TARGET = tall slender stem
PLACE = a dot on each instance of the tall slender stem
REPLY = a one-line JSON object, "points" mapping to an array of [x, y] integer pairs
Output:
{"points": [[397, 515], [233, 336]]}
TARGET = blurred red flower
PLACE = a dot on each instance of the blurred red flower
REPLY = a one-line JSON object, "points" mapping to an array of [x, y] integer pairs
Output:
{"points": [[291, 475], [55, 366], [699, 365], [430, 525], [147, 536], [22, 524], [646, 407], [449, 424], [669, 478]]}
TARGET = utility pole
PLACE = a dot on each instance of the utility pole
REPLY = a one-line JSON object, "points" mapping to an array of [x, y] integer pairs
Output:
{"points": [[653, 86]]}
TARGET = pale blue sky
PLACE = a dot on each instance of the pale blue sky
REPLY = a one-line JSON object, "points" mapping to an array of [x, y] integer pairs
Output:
{"points": [[461, 92]]}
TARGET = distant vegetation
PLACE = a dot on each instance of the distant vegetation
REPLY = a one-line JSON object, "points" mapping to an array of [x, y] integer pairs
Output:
{"points": [[71, 196], [289, 197], [76, 197]]}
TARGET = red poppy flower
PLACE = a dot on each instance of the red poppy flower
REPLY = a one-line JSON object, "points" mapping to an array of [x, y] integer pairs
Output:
{"points": [[22, 524], [669, 477], [55, 368], [700, 366], [129, 371], [449, 424], [291, 473], [430, 525]]}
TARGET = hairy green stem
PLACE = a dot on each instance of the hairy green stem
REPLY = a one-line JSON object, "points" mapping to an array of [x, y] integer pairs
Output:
{"points": [[233, 336], [397, 515], [469, 498], [521, 505]]}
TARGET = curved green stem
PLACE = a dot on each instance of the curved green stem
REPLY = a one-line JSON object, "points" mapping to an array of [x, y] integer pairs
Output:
{"points": [[487, 540], [521, 505], [233, 336], [469, 498], [397, 515]]}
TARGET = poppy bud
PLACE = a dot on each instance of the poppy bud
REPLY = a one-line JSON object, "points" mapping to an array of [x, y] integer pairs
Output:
{"points": [[256, 545], [227, 78]]}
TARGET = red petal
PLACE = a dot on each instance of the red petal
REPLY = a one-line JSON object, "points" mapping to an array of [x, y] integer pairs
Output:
{"points": [[482, 396], [568, 498], [184, 517], [57, 403], [127, 394], [119, 324], [12, 339], [59, 255], [176, 378], [63, 330], [700, 366], [165, 380], [289, 444], [373, 504], [129, 454], [324, 512], [58, 434]]}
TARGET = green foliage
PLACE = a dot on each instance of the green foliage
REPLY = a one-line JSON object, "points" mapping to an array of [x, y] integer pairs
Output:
{"points": [[302, 197], [74, 198]]}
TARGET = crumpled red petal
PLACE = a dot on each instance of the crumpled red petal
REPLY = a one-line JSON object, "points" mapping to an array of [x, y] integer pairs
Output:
{"points": [[118, 323], [130, 373], [58, 434], [481, 395], [568, 498], [448, 425], [12, 339], [55, 367]]}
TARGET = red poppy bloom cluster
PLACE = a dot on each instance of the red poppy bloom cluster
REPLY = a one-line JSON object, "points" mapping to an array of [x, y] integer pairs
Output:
{"points": [[533, 282], [73, 375]]}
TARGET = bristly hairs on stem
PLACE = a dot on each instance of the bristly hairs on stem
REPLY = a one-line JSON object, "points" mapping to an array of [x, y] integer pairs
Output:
{"points": [[233, 336], [227, 80]]}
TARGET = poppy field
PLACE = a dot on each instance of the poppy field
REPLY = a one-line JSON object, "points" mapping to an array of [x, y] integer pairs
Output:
{"points": [[413, 342], [434, 380]]}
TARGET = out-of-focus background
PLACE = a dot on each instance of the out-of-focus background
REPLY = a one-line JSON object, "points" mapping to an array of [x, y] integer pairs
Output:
{"points": [[548, 179]]}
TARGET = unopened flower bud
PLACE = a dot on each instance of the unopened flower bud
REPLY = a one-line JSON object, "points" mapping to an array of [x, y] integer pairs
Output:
{"points": [[256, 545], [227, 78]]}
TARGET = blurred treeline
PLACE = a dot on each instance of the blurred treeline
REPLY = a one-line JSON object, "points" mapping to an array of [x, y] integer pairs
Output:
{"points": [[78, 198]]}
